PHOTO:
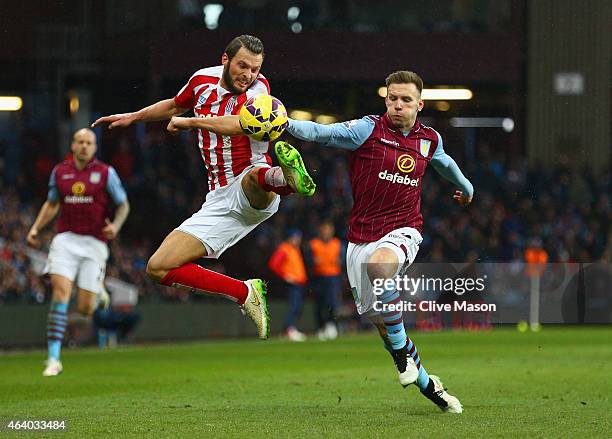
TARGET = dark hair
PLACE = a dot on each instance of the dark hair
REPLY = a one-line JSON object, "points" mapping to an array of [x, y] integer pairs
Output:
{"points": [[405, 77], [249, 42]]}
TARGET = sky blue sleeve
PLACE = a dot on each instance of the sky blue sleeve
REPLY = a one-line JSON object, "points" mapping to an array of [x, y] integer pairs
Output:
{"points": [[114, 187], [53, 194], [346, 135], [448, 168]]}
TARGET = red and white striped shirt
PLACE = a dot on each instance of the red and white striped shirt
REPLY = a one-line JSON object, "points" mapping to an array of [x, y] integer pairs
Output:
{"points": [[225, 157]]}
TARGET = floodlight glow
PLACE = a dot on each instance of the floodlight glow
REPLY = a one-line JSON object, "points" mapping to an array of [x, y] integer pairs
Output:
{"points": [[10, 103], [439, 94], [74, 104], [446, 94], [325, 119], [506, 123], [293, 13], [300, 115], [212, 12]]}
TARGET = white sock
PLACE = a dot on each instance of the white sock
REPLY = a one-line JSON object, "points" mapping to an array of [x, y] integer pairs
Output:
{"points": [[275, 177]]}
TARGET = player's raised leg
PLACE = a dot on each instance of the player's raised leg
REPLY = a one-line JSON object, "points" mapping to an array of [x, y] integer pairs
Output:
{"points": [[261, 194], [260, 184], [385, 263], [290, 177], [57, 320], [171, 265], [294, 170]]}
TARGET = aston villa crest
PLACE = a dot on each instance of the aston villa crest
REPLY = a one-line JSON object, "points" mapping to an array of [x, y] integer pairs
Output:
{"points": [[95, 177], [424, 147]]}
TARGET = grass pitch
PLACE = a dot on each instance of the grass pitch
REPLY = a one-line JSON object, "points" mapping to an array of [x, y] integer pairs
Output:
{"points": [[556, 383]]}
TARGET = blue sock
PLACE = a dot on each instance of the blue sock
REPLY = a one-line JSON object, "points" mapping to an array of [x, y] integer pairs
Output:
{"points": [[423, 378], [57, 319], [396, 333], [393, 320]]}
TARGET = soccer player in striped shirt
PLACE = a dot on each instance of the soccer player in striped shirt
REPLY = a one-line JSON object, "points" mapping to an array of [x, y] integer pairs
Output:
{"points": [[244, 188], [388, 156]]}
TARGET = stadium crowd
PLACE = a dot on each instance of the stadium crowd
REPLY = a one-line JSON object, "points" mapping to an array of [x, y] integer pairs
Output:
{"points": [[568, 210]]}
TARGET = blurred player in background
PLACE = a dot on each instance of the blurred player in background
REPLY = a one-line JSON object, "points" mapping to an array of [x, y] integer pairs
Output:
{"points": [[243, 187], [81, 189], [325, 259], [388, 158], [288, 264]]}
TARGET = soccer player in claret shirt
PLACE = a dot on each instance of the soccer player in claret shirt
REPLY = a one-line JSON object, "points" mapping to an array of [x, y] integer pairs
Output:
{"points": [[81, 189], [388, 158], [244, 188]]}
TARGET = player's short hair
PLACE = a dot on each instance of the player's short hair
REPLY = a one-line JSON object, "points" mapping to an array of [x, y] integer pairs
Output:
{"points": [[249, 42], [405, 77]]}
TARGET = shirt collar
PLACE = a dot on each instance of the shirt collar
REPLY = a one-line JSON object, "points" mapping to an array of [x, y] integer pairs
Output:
{"points": [[88, 165], [220, 90], [415, 129]]}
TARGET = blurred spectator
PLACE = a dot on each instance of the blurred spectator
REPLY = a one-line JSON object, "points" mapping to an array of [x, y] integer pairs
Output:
{"points": [[287, 263], [123, 160], [569, 210], [325, 258], [114, 324]]}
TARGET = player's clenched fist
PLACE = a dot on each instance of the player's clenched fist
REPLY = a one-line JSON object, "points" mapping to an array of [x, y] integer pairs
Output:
{"points": [[110, 231], [177, 124], [462, 199], [32, 238]]}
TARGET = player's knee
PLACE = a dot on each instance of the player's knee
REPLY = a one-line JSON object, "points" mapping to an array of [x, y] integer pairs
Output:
{"points": [[382, 264], [379, 270], [60, 295], [86, 308], [155, 269], [257, 196]]}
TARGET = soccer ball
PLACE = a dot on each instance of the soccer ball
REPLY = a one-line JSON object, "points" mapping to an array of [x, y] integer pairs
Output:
{"points": [[263, 118]]}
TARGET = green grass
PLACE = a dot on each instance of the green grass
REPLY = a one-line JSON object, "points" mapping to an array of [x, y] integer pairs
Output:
{"points": [[555, 383]]}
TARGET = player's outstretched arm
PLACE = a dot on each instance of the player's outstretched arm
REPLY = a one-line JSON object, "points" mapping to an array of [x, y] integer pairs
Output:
{"points": [[448, 168], [161, 110], [220, 125], [347, 135], [48, 211]]}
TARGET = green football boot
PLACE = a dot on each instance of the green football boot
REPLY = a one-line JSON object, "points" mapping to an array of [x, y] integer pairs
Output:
{"points": [[294, 170], [256, 307]]}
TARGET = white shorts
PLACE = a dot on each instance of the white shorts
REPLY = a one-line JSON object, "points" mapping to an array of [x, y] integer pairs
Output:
{"points": [[226, 217], [79, 257], [404, 242]]}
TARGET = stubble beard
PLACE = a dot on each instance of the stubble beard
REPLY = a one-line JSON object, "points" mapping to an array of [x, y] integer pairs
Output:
{"points": [[230, 83]]}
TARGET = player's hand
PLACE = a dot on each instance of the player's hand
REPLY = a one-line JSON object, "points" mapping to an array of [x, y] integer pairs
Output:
{"points": [[110, 230], [177, 124], [116, 120], [33, 239], [462, 199]]}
